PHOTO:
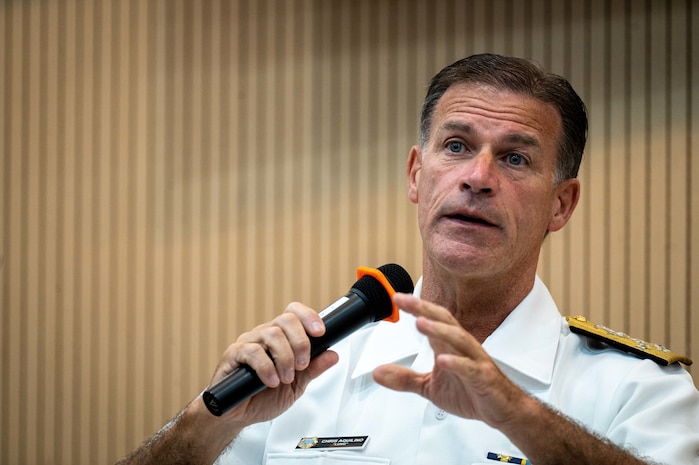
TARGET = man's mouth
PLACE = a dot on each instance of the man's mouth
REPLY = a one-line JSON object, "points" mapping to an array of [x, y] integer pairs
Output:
{"points": [[470, 219]]}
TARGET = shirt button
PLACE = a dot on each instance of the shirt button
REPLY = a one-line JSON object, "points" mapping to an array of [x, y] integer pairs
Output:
{"points": [[440, 414]]}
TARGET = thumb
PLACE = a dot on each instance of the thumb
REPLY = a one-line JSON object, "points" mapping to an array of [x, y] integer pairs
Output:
{"points": [[317, 367]]}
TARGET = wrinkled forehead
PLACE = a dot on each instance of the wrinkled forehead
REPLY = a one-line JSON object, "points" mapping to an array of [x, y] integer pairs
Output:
{"points": [[469, 103]]}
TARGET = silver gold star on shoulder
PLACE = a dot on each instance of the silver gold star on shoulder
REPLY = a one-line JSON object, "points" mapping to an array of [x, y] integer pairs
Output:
{"points": [[622, 341]]}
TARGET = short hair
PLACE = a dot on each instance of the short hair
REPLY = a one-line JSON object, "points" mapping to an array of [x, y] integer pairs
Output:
{"points": [[524, 77]]}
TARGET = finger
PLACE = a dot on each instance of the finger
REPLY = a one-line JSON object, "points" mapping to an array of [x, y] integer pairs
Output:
{"points": [[309, 318], [400, 378], [256, 356], [420, 307], [311, 324], [281, 352], [427, 313], [443, 330], [285, 342], [451, 338], [288, 345], [320, 364]]}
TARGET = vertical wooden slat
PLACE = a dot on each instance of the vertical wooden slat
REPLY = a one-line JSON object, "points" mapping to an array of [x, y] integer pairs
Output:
{"points": [[679, 183], [637, 163], [5, 211], [572, 299], [12, 277], [406, 131], [554, 251], [228, 125], [38, 218], [85, 76], [678, 164], [657, 182], [617, 176], [693, 253], [479, 23], [121, 161], [363, 178], [191, 187], [105, 221], [69, 273], [540, 44], [384, 146], [322, 110], [244, 178], [161, 230], [595, 193], [46, 401], [209, 345], [137, 357], [270, 162], [30, 191], [518, 29], [171, 289], [584, 208]]}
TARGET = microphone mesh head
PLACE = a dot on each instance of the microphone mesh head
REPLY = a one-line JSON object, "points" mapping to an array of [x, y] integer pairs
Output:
{"points": [[378, 299], [399, 278]]}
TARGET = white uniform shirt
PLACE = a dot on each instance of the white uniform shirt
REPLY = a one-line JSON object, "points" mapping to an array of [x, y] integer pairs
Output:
{"points": [[633, 402]]}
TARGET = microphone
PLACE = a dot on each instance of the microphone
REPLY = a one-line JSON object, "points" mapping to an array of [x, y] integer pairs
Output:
{"points": [[368, 301]]}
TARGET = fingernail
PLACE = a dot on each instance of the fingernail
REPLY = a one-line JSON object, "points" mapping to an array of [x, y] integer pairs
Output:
{"points": [[316, 326], [289, 375]]}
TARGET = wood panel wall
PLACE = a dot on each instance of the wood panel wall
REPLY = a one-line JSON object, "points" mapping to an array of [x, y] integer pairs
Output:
{"points": [[174, 172]]}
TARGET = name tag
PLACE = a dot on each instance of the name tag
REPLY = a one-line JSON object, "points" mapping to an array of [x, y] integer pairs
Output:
{"points": [[340, 442]]}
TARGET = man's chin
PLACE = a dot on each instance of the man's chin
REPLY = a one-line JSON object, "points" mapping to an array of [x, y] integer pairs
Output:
{"points": [[462, 259]]}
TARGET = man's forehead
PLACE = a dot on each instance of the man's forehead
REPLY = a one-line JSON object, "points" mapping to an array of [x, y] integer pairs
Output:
{"points": [[474, 100]]}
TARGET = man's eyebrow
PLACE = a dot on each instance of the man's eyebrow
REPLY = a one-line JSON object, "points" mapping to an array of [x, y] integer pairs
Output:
{"points": [[522, 139], [457, 126], [514, 138]]}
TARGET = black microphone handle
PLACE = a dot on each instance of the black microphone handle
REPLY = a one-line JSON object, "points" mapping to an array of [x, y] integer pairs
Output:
{"points": [[244, 383]]}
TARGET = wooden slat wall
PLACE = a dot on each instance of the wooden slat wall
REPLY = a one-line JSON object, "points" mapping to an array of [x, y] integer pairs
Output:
{"points": [[174, 172]]}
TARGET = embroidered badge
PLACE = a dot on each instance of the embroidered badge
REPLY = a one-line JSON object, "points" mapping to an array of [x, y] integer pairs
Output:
{"points": [[307, 443], [340, 442]]}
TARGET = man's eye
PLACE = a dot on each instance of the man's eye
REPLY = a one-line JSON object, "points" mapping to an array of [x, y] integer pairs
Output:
{"points": [[455, 146], [515, 159]]}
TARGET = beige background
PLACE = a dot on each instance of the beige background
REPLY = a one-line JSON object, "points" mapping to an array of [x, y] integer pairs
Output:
{"points": [[175, 172]]}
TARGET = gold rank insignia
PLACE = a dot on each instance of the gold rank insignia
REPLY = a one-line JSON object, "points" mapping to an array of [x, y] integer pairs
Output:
{"points": [[622, 341]]}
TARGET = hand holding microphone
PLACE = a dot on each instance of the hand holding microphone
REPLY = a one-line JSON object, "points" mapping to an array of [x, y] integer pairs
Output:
{"points": [[369, 300]]}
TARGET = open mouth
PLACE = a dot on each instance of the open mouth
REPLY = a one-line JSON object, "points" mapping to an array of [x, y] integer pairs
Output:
{"points": [[470, 219]]}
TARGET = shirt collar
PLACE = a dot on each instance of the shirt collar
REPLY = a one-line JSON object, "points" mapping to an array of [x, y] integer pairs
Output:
{"points": [[523, 346], [391, 342]]}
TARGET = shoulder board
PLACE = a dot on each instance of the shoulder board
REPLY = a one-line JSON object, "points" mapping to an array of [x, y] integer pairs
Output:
{"points": [[622, 341]]}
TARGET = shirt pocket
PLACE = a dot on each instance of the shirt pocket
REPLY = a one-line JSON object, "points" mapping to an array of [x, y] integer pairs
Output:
{"points": [[323, 458]]}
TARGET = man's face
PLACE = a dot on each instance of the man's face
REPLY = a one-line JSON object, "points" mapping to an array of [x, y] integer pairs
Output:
{"points": [[484, 182]]}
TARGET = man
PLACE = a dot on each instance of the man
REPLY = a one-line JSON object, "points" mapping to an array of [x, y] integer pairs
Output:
{"points": [[481, 366]]}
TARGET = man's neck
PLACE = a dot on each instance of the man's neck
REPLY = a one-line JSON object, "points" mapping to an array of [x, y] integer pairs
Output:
{"points": [[480, 305]]}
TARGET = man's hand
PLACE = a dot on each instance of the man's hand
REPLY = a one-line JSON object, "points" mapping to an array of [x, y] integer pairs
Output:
{"points": [[279, 352], [464, 381]]}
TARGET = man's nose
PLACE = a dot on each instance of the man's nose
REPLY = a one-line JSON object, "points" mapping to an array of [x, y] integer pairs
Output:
{"points": [[480, 173]]}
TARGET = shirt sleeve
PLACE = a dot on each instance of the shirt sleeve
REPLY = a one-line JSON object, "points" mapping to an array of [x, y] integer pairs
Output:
{"points": [[657, 414]]}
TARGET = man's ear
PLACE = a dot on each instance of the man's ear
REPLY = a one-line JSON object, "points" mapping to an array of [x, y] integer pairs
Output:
{"points": [[566, 198], [414, 167]]}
